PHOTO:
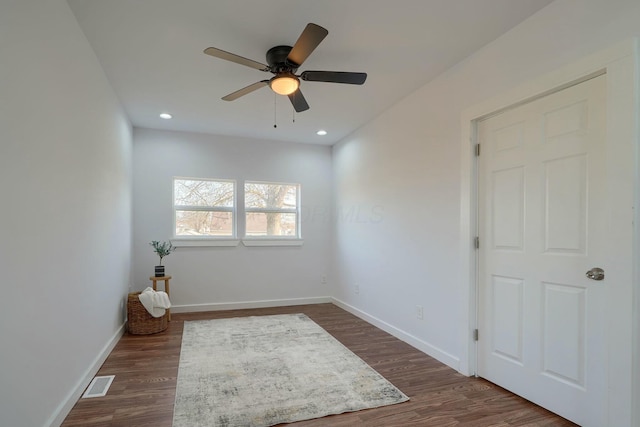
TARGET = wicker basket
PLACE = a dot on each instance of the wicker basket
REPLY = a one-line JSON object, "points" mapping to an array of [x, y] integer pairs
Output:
{"points": [[140, 321]]}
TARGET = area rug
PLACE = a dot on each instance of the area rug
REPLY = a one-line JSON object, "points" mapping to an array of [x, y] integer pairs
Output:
{"points": [[265, 370]]}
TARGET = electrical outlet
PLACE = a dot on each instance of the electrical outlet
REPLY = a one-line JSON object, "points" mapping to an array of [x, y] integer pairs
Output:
{"points": [[419, 312], [356, 289], [323, 279]]}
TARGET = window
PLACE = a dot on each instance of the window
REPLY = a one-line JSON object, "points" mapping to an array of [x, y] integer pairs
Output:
{"points": [[272, 210], [204, 208]]}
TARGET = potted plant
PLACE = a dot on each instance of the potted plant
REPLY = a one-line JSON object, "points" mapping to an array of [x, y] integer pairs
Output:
{"points": [[162, 249]]}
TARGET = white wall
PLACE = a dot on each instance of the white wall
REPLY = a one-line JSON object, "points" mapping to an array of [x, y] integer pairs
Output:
{"points": [[408, 162], [229, 275], [65, 152]]}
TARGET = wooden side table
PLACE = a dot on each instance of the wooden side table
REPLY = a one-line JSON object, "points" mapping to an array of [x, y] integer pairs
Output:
{"points": [[165, 279]]}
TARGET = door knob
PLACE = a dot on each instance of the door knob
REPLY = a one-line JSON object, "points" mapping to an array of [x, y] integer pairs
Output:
{"points": [[596, 273]]}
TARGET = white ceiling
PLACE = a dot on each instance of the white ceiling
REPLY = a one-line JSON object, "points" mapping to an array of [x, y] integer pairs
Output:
{"points": [[151, 52]]}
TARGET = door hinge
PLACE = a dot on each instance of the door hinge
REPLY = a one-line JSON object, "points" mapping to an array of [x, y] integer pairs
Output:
{"points": [[476, 242], [475, 335], [477, 150]]}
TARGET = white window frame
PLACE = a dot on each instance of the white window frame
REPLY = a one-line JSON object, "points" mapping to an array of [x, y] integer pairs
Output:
{"points": [[295, 240], [205, 240]]}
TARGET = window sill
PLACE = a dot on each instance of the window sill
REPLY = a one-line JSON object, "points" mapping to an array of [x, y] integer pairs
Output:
{"points": [[272, 242], [203, 242]]}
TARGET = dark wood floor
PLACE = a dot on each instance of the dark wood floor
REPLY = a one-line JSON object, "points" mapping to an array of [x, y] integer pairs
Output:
{"points": [[146, 367]]}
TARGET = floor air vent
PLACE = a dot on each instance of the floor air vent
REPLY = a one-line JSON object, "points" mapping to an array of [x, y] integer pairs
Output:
{"points": [[99, 386]]}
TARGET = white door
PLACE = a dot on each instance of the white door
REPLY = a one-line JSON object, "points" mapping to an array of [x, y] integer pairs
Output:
{"points": [[542, 226]]}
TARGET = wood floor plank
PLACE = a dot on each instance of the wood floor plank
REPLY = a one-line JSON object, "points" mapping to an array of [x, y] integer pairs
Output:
{"points": [[146, 368]]}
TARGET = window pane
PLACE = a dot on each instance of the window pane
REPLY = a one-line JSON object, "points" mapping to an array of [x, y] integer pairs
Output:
{"points": [[270, 196], [203, 193], [271, 224], [199, 223]]}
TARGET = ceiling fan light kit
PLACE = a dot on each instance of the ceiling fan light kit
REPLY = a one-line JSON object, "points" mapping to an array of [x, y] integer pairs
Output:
{"points": [[284, 61], [284, 83]]}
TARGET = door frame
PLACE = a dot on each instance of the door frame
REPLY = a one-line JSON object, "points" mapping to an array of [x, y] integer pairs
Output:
{"points": [[620, 64]]}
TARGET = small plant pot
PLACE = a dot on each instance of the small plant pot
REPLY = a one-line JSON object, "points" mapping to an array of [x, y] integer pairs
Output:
{"points": [[159, 269]]}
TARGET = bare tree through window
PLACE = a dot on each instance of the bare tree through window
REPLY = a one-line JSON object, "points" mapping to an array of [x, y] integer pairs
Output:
{"points": [[204, 207], [271, 209]]}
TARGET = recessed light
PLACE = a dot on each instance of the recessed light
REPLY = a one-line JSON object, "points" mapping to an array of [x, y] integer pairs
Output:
{"points": [[165, 116], [321, 132]]}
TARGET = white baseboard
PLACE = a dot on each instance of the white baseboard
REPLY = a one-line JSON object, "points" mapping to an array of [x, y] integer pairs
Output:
{"points": [[189, 308], [67, 404], [425, 347]]}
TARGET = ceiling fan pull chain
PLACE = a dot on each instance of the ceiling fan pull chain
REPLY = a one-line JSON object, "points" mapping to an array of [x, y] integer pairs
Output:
{"points": [[274, 111], [293, 115]]}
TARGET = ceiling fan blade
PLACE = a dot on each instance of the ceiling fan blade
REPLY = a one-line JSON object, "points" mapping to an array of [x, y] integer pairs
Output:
{"points": [[245, 90], [310, 38], [298, 101], [235, 58], [334, 77]]}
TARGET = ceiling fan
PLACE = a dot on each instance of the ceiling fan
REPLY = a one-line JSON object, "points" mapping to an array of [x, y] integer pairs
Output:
{"points": [[284, 61]]}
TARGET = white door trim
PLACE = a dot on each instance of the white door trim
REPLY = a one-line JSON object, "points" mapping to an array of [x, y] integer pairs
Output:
{"points": [[620, 63]]}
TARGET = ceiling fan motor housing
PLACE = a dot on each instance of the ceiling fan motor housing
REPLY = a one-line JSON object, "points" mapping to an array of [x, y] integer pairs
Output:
{"points": [[277, 59]]}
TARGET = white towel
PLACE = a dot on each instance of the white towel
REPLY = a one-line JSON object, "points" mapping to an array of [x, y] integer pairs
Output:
{"points": [[155, 302]]}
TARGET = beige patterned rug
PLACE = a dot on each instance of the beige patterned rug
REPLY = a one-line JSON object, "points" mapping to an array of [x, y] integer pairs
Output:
{"points": [[266, 370]]}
